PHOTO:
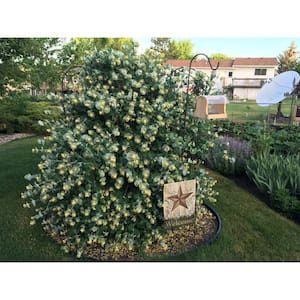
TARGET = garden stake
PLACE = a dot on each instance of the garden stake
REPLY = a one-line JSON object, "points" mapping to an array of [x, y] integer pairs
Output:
{"points": [[188, 98], [188, 83]]}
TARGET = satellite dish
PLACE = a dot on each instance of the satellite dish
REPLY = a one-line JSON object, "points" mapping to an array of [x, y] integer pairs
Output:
{"points": [[279, 88]]}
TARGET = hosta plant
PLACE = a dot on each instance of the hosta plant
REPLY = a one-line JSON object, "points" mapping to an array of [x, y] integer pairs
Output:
{"points": [[104, 164]]}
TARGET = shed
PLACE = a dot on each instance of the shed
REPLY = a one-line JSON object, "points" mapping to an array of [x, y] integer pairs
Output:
{"points": [[297, 114]]}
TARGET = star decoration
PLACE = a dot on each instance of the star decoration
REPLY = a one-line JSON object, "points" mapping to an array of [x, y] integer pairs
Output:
{"points": [[180, 198]]}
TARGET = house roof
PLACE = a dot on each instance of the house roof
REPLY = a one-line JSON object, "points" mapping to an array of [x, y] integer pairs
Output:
{"points": [[226, 63], [255, 61], [199, 63]]}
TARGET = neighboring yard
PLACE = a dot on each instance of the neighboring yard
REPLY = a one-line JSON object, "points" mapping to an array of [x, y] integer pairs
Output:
{"points": [[248, 110], [251, 230]]}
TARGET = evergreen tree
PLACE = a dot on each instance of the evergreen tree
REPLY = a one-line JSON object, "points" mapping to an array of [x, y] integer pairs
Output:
{"points": [[288, 58], [287, 61]]}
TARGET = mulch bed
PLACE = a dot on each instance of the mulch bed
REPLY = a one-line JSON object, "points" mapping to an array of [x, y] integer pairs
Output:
{"points": [[178, 240]]}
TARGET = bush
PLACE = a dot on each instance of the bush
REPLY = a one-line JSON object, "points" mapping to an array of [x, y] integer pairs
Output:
{"points": [[282, 201], [286, 140], [22, 113], [104, 166], [228, 156]]}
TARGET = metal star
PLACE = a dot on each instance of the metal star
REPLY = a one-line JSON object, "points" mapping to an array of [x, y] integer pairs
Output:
{"points": [[180, 198]]}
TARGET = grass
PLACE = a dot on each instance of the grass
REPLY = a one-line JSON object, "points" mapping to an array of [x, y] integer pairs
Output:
{"points": [[251, 230], [19, 241], [248, 110]]}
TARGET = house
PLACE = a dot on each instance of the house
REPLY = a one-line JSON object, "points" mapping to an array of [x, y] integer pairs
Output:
{"points": [[239, 78]]}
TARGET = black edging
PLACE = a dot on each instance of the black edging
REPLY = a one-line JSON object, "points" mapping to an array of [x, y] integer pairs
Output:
{"points": [[206, 243], [214, 237], [201, 244]]}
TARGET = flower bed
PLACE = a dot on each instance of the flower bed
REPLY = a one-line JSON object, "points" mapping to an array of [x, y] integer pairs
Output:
{"points": [[178, 240]]}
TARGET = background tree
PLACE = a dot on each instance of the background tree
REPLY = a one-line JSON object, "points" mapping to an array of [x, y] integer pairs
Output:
{"points": [[296, 66], [288, 58], [287, 61], [220, 56], [180, 50], [26, 61], [166, 48], [159, 48], [73, 53]]}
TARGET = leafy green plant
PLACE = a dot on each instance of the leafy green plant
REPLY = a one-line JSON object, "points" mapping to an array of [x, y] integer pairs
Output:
{"points": [[263, 137], [286, 140], [273, 172], [202, 83], [104, 165], [261, 142], [282, 201], [22, 113], [228, 155], [278, 176]]}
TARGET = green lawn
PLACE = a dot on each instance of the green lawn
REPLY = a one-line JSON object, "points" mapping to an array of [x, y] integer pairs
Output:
{"points": [[248, 110], [251, 231], [19, 241]]}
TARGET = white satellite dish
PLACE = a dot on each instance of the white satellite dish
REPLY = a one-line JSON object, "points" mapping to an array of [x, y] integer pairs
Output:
{"points": [[279, 88]]}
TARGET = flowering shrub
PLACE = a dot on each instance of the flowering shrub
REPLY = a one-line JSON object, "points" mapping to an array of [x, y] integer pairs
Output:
{"points": [[202, 83], [104, 165], [228, 155]]}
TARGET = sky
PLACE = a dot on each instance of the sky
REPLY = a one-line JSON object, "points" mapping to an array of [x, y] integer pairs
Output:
{"points": [[235, 46]]}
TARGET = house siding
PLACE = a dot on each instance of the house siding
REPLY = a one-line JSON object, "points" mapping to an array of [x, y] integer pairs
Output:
{"points": [[244, 83]]}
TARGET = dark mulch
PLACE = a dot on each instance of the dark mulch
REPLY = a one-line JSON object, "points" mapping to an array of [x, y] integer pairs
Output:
{"points": [[177, 240], [185, 238]]}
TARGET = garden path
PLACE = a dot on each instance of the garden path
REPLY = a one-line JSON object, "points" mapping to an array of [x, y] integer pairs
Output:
{"points": [[5, 138]]}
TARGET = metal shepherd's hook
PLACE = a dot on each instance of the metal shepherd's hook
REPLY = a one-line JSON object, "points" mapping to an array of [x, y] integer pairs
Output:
{"points": [[188, 83]]}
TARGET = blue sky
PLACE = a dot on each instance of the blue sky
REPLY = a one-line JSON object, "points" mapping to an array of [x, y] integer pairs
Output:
{"points": [[237, 47]]}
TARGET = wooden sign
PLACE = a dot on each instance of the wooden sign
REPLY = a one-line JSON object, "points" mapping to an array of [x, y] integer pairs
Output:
{"points": [[179, 199]]}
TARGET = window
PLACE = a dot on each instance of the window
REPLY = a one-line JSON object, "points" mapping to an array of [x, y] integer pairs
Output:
{"points": [[229, 74], [260, 72]]}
